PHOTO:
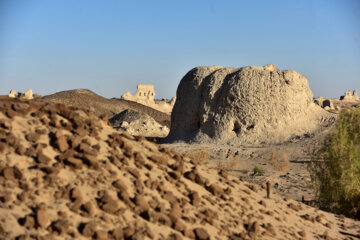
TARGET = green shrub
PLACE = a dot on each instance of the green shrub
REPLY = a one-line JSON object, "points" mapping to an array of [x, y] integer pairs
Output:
{"points": [[335, 169], [258, 170]]}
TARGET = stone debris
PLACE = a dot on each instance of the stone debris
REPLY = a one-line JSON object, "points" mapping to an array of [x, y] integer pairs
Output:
{"points": [[138, 124]]}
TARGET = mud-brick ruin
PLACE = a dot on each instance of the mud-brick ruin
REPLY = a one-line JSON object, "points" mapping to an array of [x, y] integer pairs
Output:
{"points": [[27, 95], [145, 94], [350, 97]]}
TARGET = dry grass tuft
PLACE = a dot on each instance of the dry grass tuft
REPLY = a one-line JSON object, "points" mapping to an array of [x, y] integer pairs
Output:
{"points": [[198, 156], [259, 171], [231, 162], [280, 160]]}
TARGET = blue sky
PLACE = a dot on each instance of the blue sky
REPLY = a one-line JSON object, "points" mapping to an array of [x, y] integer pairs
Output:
{"points": [[110, 46]]}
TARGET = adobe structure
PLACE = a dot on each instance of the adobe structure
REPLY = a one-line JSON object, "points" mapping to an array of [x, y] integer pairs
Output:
{"points": [[27, 95], [350, 97], [145, 95], [144, 92]]}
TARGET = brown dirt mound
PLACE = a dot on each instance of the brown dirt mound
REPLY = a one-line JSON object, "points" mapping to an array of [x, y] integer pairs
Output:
{"points": [[66, 174], [98, 105]]}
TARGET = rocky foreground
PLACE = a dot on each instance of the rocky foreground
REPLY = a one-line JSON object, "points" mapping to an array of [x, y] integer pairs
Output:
{"points": [[66, 174]]}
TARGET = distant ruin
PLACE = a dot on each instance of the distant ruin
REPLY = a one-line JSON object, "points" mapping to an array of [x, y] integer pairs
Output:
{"points": [[348, 100], [145, 95], [27, 95], [144, 92], [350, 97]]}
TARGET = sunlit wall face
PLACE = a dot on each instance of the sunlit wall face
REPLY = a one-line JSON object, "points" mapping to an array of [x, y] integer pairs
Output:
{"points": [[111, 46]]}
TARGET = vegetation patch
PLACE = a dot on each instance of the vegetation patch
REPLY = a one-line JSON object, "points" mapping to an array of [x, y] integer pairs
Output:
{"points": [[258, 170], [335, 169]]}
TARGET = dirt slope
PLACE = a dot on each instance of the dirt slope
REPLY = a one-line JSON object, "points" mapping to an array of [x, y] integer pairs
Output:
{"points": [[86, 99], [66, 174]]}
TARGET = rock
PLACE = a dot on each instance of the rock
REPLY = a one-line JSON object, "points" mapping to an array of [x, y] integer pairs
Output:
{"points": [[21, 107], [74, 162], [128, 231], [101, 235], [29, 222], [175, 212], [61, 142], [117, 233], [179, 226], [89, 208], [223, 173], [158, 159], [42, 218], [119, 184], [5, 123], [107, 203], [294, 207], [195, 199], [253, 229], [302, 233], [216, 190], [201, 234], [243, 105], [60, 226], [174, 236], [141, 202], [110, 207], [12, 173], [42, 158], [88, 229]]}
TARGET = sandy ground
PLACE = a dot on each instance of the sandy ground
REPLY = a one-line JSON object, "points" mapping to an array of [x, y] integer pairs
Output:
{"points": [[285, 165]]}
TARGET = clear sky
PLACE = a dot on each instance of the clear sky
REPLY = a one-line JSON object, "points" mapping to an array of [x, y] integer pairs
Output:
{"points": [[110, 46]]}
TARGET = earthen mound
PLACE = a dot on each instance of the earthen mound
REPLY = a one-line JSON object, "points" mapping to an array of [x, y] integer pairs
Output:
{"points": [[98, 105], [244, 105], [66, 174]]}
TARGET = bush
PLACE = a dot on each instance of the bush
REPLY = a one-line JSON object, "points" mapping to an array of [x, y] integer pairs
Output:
{"points": [[335, 169], [258, 170]]}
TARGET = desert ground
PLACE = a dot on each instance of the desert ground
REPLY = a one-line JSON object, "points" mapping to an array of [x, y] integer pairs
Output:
{"points": [[70, 168]]}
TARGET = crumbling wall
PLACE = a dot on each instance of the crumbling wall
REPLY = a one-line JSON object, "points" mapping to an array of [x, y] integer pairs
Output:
{"points": [[27, 95], [145, 95], [350, 97]]}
